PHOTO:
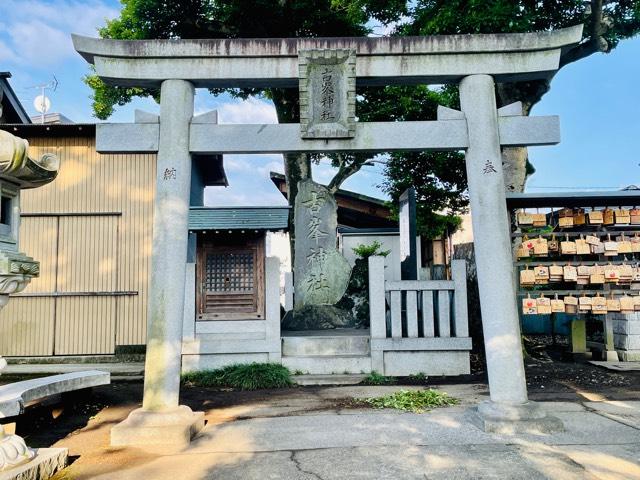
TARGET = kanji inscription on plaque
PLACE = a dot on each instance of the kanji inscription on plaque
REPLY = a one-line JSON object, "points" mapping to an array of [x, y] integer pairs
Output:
{"points": [[327, 93]]}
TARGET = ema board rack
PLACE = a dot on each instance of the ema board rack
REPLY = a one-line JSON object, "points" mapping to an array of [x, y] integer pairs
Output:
{"points": [[578, 253]]}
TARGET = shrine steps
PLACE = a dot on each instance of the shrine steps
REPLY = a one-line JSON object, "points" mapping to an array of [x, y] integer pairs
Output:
{"points": [[337, 379], [327, 352], [327, 365], [326, 346]]}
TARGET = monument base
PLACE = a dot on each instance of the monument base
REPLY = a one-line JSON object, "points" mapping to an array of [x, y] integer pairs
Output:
{"points": [[150, 429], [45, 463], [493, 417], [317, 317]]}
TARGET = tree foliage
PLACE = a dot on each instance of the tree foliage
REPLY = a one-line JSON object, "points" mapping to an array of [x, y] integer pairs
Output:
{"points": [[439, 177], [165, 19]]}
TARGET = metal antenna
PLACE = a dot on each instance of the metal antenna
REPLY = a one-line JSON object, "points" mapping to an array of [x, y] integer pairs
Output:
{"points": [[41, 103]]}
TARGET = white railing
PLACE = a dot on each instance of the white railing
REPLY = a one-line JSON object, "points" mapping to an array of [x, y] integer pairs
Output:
{"points": [[418, 316]]}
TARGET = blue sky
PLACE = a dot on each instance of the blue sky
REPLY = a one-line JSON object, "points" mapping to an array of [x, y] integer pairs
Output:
{"points": [[596, 99]]}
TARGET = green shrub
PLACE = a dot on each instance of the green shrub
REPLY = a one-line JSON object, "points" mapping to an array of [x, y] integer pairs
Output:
{"points": [[416, 401], [419, 377], [374, 378], [366, 251], [245, 376], [356, 298]]}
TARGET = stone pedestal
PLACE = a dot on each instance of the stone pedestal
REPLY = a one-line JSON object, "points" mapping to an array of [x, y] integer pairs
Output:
{"points": [[45, 463], [505, 418], [626, 335], [168, 428], [509, 407]]}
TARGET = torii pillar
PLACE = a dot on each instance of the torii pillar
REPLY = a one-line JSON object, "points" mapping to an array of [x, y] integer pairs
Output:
{"points": [[509, 409], [162, 420]]}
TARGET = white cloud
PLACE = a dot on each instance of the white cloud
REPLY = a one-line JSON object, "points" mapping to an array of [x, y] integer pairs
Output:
{"points": [[323, 173], [237, 196], [40, 33], [6, 53], [254, 164], [275, 166], [252, 110], [40, 44]]}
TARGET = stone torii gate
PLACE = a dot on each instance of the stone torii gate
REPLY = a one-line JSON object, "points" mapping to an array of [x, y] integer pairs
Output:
{"points": [[318, 66]]}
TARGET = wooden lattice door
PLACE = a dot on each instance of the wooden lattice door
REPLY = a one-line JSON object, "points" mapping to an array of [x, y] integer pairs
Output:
{"points": [[231, 280]]}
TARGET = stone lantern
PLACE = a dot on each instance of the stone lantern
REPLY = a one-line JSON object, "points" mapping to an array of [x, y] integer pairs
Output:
{"points": [[17, 171]]}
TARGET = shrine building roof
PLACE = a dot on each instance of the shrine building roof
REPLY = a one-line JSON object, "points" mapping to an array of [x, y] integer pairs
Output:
{"points": [[238, 218]]}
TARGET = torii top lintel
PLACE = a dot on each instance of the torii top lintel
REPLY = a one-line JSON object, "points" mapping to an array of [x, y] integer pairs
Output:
{"points": [[380, 61]]}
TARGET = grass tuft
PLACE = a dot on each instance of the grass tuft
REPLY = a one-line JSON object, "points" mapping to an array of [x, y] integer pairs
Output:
{"points": [[374, 378], [245, 376], [416, 401]]}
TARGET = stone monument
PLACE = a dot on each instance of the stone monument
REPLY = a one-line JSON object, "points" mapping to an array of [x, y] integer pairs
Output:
{"points": [[321, 273], [17, 171]]}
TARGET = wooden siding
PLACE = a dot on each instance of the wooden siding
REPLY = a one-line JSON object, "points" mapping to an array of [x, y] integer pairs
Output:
{"points": [[27, 326], [91, 230]]}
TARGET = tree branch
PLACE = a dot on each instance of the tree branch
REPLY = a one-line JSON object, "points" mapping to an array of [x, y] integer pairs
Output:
{"points": [[578, 53], [344, 172], [596, 42]]}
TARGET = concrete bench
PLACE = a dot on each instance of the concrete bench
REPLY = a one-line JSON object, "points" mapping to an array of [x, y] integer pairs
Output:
{"points": [[14, 396]]}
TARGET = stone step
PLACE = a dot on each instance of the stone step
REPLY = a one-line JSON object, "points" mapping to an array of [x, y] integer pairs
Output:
{"points": [[309, 380], [299, 346], [325, 365]]}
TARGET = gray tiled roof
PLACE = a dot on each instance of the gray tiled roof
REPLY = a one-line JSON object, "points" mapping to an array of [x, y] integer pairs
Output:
{"points": [[238, 218]]}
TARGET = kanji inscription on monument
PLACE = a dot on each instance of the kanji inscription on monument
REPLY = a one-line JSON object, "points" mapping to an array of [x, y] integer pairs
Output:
{"points": [[322, 273], [327, 93]]}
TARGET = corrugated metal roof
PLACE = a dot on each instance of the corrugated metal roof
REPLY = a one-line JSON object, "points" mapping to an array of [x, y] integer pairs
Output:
{"points": [[238, 218], [616, 198]]}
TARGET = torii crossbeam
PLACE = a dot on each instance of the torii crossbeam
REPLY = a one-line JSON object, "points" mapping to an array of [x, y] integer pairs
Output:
{"points": [[480, 129]]}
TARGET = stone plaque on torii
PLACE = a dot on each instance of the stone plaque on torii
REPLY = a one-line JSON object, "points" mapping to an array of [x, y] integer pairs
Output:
{"points": [[476, 62]]}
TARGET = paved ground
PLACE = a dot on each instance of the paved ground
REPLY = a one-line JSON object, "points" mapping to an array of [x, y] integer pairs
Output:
{"points": [[307, 434], [618, 366]]}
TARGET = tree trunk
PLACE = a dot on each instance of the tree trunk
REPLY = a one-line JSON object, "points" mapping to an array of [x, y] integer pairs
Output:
{"points": [[515, 161], [296, 166]]}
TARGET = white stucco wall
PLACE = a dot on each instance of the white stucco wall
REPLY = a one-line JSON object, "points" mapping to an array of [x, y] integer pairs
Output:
{"points": [[465, 232], [277, 245], [389, 241]]}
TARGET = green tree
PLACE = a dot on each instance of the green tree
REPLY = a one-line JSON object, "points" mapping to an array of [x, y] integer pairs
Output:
{"points": [[606, 24], [151, 19], [440, 178]]}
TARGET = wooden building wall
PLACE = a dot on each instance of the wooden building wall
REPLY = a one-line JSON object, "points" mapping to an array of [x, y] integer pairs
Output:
{"points": [[91, 230]]}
